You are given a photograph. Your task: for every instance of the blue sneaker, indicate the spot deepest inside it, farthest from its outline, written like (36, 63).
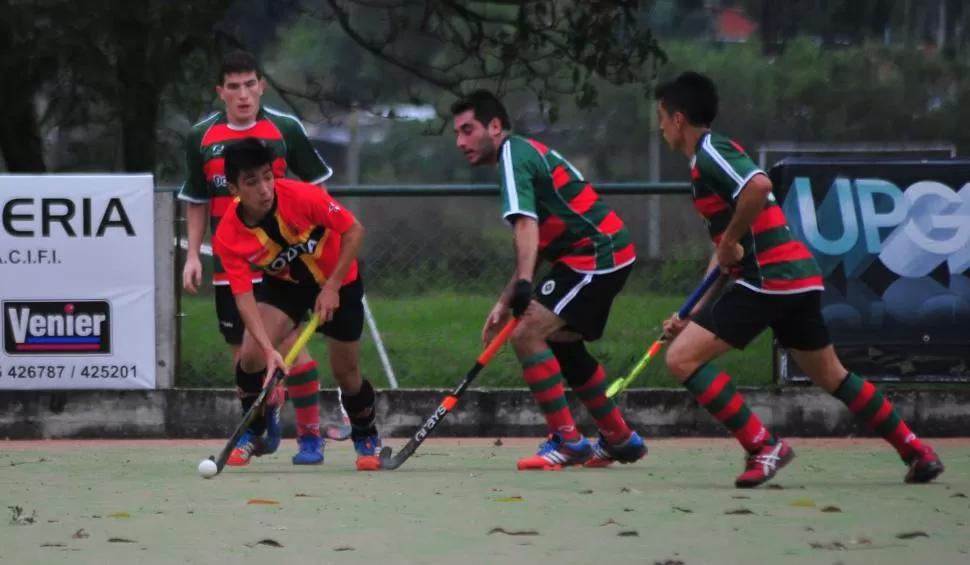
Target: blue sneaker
(605, 454)
(274, 429)
(368, 448)
(554, 454)
(311, 450)
(248, 446)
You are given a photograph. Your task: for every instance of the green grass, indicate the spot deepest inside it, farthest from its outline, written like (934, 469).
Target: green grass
(432, 341)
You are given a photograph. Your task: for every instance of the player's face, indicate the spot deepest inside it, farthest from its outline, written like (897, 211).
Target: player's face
(670, 127)
(256, 191)
(241, 93)
(475, 140)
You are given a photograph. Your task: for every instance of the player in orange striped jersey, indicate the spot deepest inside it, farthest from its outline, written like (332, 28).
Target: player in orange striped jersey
(307, 244)
(241, 88)
(778, 285)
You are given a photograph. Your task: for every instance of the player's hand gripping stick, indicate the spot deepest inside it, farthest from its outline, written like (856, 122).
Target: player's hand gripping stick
(268, 388)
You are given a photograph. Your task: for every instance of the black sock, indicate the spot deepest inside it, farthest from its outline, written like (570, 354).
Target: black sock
(360, 409)
(249, 385)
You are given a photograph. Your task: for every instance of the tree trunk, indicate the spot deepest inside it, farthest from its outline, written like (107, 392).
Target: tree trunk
(137, 102)
(20, 140)
(138, 120)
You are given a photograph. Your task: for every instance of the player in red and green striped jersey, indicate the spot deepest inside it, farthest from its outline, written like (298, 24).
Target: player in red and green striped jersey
(240, 88)
(556, 216)
(778, 285)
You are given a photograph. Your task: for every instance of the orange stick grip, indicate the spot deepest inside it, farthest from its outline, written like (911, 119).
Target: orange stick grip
(498, 342)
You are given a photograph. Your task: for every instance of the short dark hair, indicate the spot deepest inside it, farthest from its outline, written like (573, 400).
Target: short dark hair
(238, 62)
(246, 155)
(693, 95)
(485, 106)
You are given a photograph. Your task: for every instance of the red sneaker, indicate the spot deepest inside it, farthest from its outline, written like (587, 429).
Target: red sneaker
(555, 454)
(763, 464)
(247, 447)
(924, 466)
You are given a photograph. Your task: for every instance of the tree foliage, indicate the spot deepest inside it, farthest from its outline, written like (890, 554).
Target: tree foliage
(107, 62)
(555, 50)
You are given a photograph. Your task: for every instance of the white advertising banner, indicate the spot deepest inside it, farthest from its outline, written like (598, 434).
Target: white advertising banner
(77, 282)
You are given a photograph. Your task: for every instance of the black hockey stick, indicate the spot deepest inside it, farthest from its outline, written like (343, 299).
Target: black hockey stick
(389, 461)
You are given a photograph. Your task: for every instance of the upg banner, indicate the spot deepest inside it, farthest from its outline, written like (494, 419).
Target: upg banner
(77, 282)
(893, 241)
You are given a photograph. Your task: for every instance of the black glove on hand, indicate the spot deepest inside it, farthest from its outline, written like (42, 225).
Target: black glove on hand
(521, 296)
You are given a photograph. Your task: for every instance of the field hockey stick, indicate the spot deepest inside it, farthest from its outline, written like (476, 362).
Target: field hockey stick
(389, 461)
(257, 406)
(619, 385)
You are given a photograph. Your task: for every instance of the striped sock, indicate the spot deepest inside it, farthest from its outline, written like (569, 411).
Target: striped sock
(715, 392)
(544, 377)
(870, 406)
(608, 418)
(303, 383)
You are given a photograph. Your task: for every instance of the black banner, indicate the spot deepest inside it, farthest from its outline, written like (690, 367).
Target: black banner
(893, 240)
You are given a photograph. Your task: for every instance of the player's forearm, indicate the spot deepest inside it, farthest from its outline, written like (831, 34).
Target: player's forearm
(506, 295)
(249, 312)
(350, 244)
(750, 204)
(526, 247)
(195, 218)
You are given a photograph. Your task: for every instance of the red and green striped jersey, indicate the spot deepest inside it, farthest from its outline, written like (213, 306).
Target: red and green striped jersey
(205, 175)
(575, 226)
(774, 262)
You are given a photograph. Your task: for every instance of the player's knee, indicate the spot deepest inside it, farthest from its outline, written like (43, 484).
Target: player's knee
(347, 376)
(345, 366)
(252, 364)
(361, 403)
(248, 382)
(575, 361)
(527, 332)
(250, 358)
(680, 363)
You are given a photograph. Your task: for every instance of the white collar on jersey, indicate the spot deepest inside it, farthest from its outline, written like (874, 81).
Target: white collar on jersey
(240, 128)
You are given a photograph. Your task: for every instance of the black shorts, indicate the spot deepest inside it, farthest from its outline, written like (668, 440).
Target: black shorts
(741, 314)
(230, 322)
(582, 300)
(297, 302)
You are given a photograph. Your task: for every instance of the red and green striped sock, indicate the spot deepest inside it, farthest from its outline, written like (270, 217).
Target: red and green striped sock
(715, 392)
(544, 377)
(870, 406)
(602, 408)
(303, 384)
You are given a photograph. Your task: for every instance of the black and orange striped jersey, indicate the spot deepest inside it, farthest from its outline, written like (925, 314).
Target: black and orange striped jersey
(298, 241)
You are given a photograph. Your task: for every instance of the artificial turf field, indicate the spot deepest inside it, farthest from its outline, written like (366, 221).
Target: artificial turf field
(461, 502)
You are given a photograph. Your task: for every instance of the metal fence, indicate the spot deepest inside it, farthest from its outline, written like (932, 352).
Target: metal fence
(435, 259)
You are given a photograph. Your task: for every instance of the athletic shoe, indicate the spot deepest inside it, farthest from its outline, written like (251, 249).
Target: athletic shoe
(311, 450)
(555, 454)
(629, 451)
(367, 449)
(248, 446)
(763, 464)
(924, 466)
